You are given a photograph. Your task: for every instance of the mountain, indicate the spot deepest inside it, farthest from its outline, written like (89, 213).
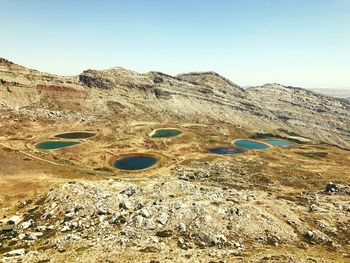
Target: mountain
(193, 97)
(75, 204)
(338, 93)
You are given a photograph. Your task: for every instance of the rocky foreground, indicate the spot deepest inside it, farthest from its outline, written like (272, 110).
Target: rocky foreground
(203, 212)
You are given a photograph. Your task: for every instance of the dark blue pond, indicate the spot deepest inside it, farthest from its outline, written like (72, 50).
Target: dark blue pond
(251, 145)
(277, 142)
(222, 150)
(135, 162)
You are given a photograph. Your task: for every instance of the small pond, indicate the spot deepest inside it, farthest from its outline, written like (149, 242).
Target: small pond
(251, 145)
(277, 142)
(223, 150)
(52, 145)
(165, 133)
(75, 135)
(131, 163)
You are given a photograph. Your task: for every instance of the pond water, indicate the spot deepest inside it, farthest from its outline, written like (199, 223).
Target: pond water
(52, 145)
(251, 145)
(277, 142)
(165, 133)
(75, 135)
(222, 150)
(134, 162)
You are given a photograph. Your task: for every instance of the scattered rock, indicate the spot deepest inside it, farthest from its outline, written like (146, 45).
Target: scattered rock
(8, 228)
(331, 188)
(17, 252)
(27, 224)
(14, 220)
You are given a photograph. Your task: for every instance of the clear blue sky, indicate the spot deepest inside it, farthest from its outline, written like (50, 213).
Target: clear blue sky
(294, 42)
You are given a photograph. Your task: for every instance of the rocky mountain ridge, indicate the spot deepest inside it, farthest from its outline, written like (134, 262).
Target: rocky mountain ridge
(193, 97)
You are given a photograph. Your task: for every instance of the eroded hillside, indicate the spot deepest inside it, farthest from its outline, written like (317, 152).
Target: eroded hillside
(196, 97)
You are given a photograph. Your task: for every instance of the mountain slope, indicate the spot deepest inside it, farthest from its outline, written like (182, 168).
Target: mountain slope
(283, 204)
(194, 97)
(338, 93)
(309, 113)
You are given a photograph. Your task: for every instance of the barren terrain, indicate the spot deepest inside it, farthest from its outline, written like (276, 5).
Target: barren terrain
(284, 204)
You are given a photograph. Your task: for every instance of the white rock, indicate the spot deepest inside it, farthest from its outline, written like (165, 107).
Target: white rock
(102, 218)
(65, 229)
(21, 236)
(149, 223)
(14, 220)
(125, 205)
(41, 228)
(26, 225)
(38, 234)
(17, 252)
(31, 236)
(182, 227)
(145, 212)
(163, 218)
(69, 215)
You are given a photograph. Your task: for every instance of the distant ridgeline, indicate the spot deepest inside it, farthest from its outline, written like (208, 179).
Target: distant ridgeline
(206, 97)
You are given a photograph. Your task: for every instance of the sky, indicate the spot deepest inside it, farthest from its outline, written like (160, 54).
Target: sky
(304, 43)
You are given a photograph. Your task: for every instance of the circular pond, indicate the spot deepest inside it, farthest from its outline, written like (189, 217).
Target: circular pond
(136, 162)
(75, 135)
(277, 142)
(53, 145)
(251, 145)
(223, 150)
(165, 133)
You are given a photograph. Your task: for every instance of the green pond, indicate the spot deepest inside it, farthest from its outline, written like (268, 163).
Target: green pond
(75, 135)
(165, 133)
(251, 145)
(52, 145)
(134, 163)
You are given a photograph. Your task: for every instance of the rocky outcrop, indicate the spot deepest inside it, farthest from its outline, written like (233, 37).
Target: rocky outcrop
(115, 77)
(91, 78)
(203, 207)
(4, 61)
(211, 79)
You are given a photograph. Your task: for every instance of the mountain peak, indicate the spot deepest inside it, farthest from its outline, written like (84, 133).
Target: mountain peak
(5, 61)
(209, 78)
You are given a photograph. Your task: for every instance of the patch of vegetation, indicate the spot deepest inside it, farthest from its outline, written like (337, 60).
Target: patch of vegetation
(314, 155)
(40, 201)
(214, 140)
(49, 233)
(165, 233)
(320, 147)
(104, 169)
(265, 136)
(289, 132)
